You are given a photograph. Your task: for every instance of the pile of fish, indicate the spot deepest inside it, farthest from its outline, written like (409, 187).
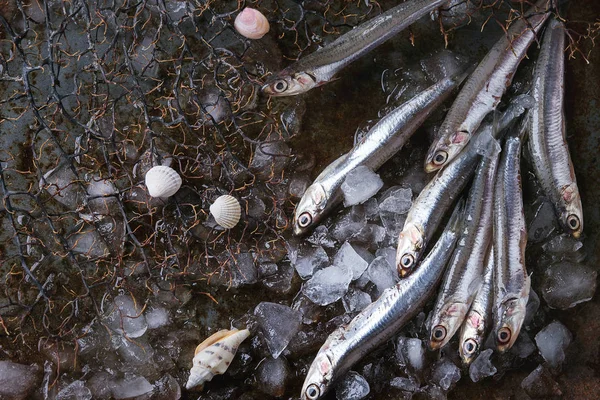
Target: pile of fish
(480, 256)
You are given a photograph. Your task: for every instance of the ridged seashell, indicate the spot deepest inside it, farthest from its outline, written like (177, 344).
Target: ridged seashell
(213, 356)
(227, 211)
(251, 23)
(162, 181)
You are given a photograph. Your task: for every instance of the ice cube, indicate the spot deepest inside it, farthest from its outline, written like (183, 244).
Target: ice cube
(309, 259)
(398, 201)
(443, 63)
(157, 317)
(348, 258)
(445, 374)
(279, 281)
(328, 285)
(355, 300)
(298, 185)
(389, 253)
(270, 158)
(543, 223)
(533, 304)
(382, 274)
(348, 225)
(482, 366)
(371, 208)
(407, 384)
(131, 386)
(17, 381)
(352, 387)
(566, 284)
(360, 185)
(75, 391)
(539, 384)
(126, 317)
(101, 385)
(243, 270)
(523, 346)
(311, 312)
(136, 354)
(371, 235)
(561, 244)
(279, 324)
(321, 237)
(552, 342)
(272, 376)
(413, 353)
(167, 388)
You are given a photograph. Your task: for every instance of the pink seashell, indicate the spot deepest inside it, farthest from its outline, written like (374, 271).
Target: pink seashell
(251, 23)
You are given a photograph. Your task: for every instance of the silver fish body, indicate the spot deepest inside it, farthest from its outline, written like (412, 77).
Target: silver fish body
(380, 321)
(382, 141)
(434, 200)
(465, 270)
(511, 282)
(547, 136)
(484, 88)
(479, 317)
(321, 66)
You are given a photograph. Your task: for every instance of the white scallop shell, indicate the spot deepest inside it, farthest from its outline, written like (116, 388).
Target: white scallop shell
(251, 23)
(227, 211)
(162, 181)
(213, 356)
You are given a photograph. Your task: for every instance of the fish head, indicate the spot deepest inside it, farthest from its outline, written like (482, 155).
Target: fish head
(318, 379)
(443, 151)
(289, 83)
(410, 246)
(511, 315)
(571, 218)
(448, 320)
(471, 336)
(310, 209)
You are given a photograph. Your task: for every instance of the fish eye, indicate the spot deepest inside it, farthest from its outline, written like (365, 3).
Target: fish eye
(470, 346)
(407, 261)
(573, 222)
(504, 335)
(304, 220)
(312, 392)
(439, 333)
(440, 158)
(280, 86)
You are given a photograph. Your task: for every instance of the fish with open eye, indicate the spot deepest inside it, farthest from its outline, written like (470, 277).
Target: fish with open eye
(382, 141)
(429, 207)
(381, 320)
(484, 88)
(547, 134)
(321, 66)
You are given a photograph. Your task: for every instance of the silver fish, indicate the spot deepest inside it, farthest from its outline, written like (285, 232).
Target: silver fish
(384, 140)
(321, 66)
(434, 200)
(511, 282)
(483, 90)
(547, 137)
(465, 272)
(478, 319)
(382, 319)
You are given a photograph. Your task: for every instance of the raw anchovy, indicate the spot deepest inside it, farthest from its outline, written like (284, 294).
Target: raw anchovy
(511, 282)
(547, 136)
(321, 66)
(483, 90)
(380, 321)
(384, 140)
(466, 266)
(479, 316)
(430, 206)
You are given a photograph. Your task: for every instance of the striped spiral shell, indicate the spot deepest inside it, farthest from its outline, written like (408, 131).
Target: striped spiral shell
(213, 356)
(251, 23)
(162, 181)
(227, 211)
